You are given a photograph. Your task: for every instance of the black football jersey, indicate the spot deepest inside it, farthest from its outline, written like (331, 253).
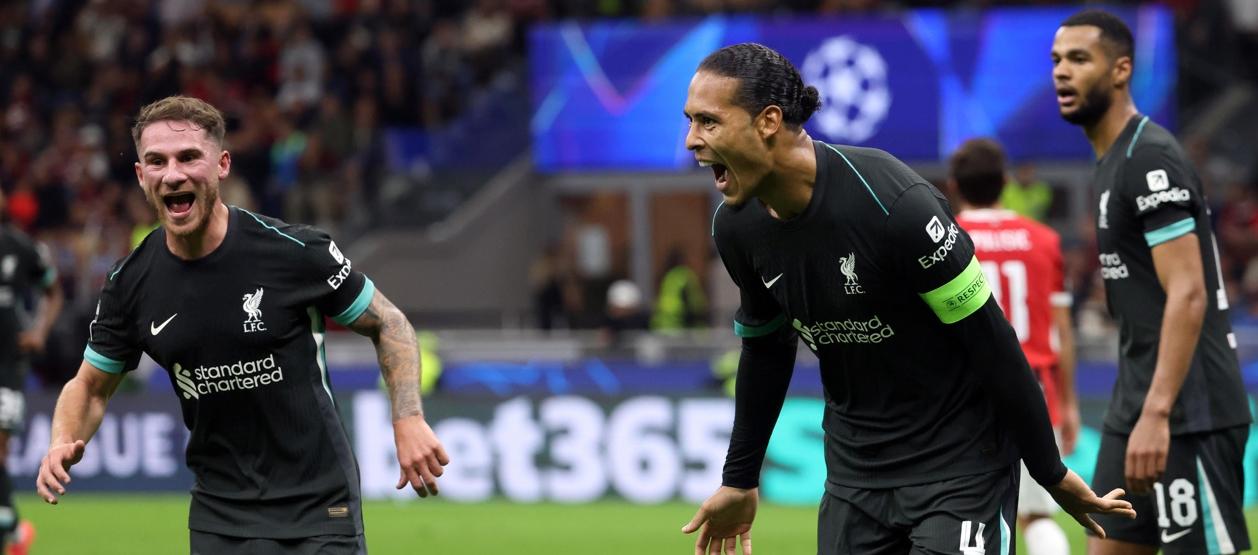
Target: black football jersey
(240, 332)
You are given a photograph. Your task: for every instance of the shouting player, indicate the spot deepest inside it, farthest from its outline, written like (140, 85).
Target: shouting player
(1177, 424)
(1023, 263)
(232, 305)
(929, 401)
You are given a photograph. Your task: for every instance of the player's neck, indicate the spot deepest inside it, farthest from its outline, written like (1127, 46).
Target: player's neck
(1106, 130)
(789, 185)
(203, 241)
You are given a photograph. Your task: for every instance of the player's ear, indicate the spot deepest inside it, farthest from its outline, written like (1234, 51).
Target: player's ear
(769, 121)
(224, 164)
(1120, 73)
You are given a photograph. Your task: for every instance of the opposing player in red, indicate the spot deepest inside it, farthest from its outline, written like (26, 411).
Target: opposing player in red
(1023, 262)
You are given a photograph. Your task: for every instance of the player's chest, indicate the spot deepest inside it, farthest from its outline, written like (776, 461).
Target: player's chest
(200, 314)
(830, 281)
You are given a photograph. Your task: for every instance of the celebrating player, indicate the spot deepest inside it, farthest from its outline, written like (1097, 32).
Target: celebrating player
(1177, 423)
(232, 305)
(1023, 264)
(929, 400)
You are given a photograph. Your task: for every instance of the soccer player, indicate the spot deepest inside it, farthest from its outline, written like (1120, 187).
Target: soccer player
(232, 303)
(929, 401)
(1177, 423)
(24, 267)
(1023, 264)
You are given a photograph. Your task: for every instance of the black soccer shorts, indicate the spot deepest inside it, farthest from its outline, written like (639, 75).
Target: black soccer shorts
(209, 543)
(969, 515)
(1196, 507)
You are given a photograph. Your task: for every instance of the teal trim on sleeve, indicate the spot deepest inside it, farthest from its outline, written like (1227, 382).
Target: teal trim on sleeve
(270, 227)
(1173, 231)
(862, 178)
(1135, 136)
(756, 331)
(50, 277)
(102, 362)
(359, 305)
(960, 297)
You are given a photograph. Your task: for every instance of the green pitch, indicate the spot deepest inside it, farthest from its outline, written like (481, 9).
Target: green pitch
(140, 525)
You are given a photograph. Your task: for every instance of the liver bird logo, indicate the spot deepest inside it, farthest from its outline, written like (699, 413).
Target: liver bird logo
(251, 303)
(847, 265)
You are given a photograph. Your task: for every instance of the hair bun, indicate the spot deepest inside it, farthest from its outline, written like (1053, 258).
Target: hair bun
(809, 101)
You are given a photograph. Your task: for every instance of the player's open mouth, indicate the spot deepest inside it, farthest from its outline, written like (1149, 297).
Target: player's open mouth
(1066, 96)
(179, 204)
(719, 173)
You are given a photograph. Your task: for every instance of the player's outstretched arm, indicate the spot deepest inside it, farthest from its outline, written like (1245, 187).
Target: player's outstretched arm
(75, 420)
(1076, 498)
(724, 521)
(419, 452)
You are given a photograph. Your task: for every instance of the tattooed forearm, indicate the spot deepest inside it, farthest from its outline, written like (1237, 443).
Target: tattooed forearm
(397, 352)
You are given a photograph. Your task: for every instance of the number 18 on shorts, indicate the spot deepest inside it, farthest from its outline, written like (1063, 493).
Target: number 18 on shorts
(1196, 507)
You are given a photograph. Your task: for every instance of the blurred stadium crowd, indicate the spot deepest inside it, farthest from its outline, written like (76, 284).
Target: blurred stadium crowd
(310, 86)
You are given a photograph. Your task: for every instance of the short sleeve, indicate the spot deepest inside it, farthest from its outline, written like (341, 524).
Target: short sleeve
(334, 286)
(933, 255)
(758, 312)
(1161, 193)
(112, 342)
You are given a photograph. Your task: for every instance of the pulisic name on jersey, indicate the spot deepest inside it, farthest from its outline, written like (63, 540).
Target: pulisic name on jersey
(237, 376)
(988, 240)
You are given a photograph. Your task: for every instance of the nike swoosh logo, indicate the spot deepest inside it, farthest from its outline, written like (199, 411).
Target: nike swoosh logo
(158, 329)
(768, 284)
(1172, 537)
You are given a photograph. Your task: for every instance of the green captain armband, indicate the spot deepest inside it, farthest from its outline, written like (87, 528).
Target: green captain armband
(960, 297)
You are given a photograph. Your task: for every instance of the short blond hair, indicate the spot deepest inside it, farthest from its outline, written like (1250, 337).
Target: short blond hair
(181, 108)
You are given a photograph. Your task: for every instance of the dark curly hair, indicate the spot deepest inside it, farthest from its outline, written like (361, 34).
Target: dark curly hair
(765, 78)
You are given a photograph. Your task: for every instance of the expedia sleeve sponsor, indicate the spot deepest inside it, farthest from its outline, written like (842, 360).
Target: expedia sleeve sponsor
(332, 283)
(927, 245)
(1158, 188)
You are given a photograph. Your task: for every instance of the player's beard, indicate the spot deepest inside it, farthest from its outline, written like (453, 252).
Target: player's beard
(1092, 106)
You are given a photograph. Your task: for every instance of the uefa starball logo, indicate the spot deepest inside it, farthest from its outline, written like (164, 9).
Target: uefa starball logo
(852, 80)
